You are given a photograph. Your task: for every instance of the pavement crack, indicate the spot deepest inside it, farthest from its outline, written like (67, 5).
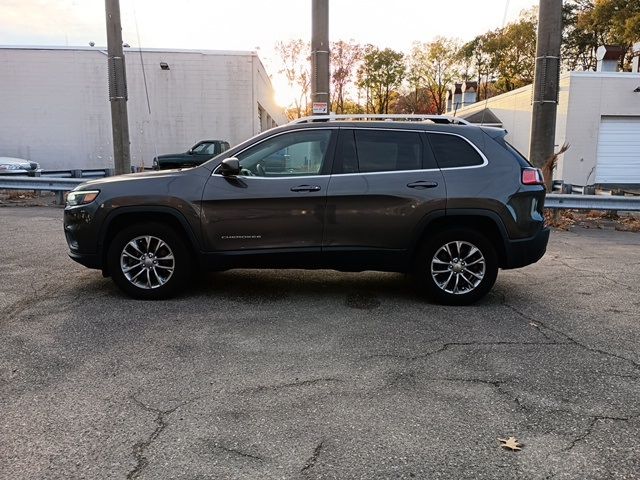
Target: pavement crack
(140, 447)
(311, 461)
(297, 383)
(448, 345)
(497, 384)
(534, 322)
(237, 452)
(594, 274)
(591, 426)
(541, 326)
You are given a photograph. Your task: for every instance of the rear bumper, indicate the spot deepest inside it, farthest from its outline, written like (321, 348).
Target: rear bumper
(526, 251)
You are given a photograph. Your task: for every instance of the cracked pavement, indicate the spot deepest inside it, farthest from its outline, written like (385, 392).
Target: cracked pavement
(294, 374)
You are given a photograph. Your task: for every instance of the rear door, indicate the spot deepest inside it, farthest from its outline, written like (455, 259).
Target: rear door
(385, 182)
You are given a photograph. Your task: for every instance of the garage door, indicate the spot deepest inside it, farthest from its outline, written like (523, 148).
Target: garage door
(618, 158)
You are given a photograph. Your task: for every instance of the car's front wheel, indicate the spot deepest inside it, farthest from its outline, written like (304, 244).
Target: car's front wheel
(149, 261)
(458, 266)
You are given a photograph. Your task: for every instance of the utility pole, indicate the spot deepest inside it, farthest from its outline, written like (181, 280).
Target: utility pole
(546, 82)
(320, 57)
(117, 89)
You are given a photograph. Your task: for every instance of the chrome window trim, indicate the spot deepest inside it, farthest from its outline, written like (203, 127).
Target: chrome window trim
(387, 172)
(273, 136)
(485, 160)
(293, 177)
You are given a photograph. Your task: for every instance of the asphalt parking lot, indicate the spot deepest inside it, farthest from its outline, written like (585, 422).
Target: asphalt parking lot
(294, 374)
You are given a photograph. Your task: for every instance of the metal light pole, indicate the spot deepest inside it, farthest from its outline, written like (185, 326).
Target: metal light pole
(117, 89)
(320, 56)
(546, 82)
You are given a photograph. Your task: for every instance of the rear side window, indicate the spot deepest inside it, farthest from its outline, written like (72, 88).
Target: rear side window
(452, 151)
(387, 150)
(381, 151)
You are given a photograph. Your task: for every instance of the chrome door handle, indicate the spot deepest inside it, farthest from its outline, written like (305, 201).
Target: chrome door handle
(422, 184)
(306, 188)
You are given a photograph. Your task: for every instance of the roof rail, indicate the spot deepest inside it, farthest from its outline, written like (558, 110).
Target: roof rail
(412, 117)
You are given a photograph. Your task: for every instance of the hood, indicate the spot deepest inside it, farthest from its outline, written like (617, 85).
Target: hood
(135, 177)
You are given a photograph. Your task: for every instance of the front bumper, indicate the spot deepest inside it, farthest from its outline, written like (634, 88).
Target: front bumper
(89, 260)
(520, 253)
(81, 234)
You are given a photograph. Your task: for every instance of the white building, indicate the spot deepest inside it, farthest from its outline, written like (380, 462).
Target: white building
(54, 103)
(598, 115)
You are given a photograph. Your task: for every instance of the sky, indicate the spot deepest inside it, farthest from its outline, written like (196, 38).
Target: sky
(250, 24)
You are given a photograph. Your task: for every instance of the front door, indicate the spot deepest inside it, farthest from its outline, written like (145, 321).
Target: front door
(278, 200)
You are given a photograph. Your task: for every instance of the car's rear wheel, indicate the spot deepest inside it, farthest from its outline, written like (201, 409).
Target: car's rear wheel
(149, 261)
(457, 266)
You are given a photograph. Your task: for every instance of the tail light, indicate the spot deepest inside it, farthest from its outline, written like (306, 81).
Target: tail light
(532, 176)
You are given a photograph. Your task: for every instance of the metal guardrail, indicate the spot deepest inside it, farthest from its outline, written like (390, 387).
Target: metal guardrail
(552, 201)
(592, 202)
(57, 185)
(77, 173)
(88, 172)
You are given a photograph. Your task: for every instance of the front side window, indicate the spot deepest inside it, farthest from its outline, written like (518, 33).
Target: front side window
(452, 151)
(292, 154)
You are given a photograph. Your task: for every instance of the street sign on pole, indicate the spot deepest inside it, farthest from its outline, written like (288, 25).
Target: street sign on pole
(320, 108)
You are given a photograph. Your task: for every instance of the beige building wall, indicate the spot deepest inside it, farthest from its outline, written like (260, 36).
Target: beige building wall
(594, 95)
(584, 98)
(55, 108)
(514, 110)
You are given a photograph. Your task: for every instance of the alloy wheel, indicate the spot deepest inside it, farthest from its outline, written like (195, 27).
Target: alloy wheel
(147, 262)
(458, 267)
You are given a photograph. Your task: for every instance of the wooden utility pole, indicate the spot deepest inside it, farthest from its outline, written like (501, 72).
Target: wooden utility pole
(320, 57)
(117, 89)
(546, 82)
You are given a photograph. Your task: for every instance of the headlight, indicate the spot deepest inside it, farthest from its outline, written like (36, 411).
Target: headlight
(81, 197)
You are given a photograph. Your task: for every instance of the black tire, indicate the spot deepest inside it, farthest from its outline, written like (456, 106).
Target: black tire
(441, 285)
(173, 261)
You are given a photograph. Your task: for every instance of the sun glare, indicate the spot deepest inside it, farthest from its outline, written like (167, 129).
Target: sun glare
(285, 96)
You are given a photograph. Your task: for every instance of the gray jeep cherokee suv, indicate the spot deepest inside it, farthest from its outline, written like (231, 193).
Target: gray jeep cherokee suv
(448, 202)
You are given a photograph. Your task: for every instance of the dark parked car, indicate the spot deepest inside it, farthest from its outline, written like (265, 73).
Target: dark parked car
(196, 155)
(448, 202)
(18, 166)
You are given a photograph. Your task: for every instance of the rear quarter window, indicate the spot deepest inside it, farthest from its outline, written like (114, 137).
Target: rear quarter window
(452, 151)
(522, 160)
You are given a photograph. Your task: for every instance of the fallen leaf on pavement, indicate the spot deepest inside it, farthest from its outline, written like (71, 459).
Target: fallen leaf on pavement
(511, 443)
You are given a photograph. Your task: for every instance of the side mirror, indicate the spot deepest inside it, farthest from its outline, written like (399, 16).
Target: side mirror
(230, 167)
